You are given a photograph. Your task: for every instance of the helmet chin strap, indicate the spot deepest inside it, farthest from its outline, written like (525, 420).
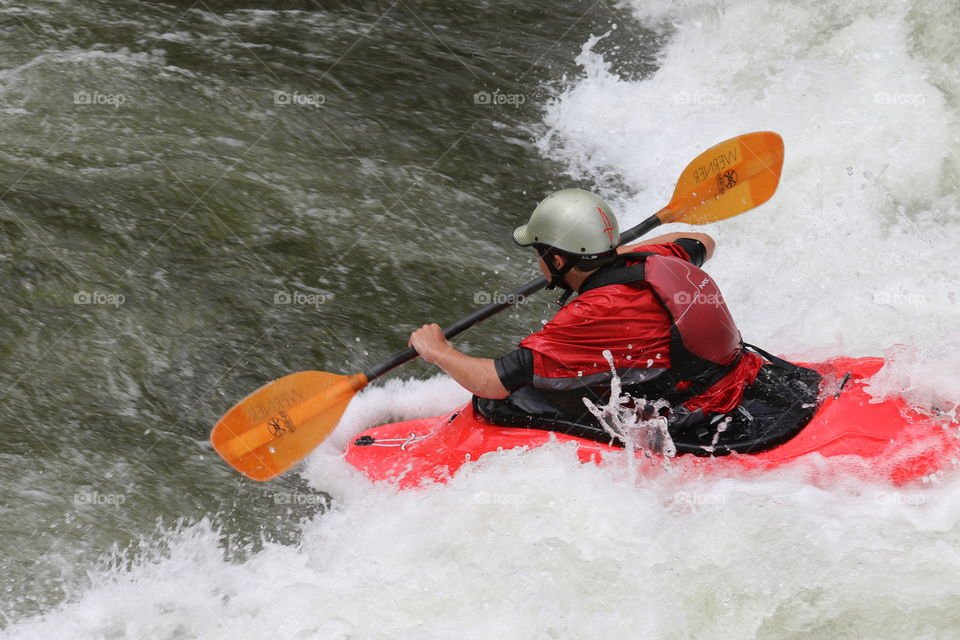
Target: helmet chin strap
(556, 275)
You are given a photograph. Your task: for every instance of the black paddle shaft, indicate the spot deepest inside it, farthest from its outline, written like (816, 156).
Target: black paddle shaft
(495, 307)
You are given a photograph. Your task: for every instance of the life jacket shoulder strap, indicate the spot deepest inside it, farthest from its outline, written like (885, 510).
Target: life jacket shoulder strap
(619, 272)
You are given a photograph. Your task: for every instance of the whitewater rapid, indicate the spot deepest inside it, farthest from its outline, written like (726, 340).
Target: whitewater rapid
(856, 253)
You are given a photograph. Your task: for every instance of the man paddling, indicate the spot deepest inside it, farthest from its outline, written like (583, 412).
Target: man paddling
(662, 319)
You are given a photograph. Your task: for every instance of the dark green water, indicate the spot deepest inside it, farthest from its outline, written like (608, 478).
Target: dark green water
(168, 170)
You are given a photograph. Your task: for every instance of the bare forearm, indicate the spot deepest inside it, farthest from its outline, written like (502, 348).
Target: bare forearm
(477, 375)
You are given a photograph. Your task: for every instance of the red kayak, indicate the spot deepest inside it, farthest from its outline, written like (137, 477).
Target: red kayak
(877, 440)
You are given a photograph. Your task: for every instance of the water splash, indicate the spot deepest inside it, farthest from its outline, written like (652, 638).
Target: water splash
(928, 378)
(639, 424)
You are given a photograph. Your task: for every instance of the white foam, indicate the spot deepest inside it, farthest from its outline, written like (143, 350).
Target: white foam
(533, 544)
(858, 250)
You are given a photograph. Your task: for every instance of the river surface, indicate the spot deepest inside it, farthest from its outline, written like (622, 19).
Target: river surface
(199, 197)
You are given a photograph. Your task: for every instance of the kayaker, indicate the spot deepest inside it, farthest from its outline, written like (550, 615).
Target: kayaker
(665, 323)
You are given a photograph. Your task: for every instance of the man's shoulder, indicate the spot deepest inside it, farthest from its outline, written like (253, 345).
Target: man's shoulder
(667, 249)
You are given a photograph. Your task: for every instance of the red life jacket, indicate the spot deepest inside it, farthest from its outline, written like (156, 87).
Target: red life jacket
(702, 346)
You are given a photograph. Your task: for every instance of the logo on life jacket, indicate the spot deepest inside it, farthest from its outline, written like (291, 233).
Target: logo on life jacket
(607, 225)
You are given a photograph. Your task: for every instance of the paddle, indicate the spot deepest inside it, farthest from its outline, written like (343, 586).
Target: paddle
(277, 425)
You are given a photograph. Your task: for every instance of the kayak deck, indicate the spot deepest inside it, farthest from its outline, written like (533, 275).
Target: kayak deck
(879, 440)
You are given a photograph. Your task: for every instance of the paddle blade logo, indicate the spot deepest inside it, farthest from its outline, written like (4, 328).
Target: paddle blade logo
(281, 423)
(726, 180)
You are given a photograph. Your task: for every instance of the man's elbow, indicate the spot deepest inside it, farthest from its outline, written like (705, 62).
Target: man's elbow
(491, 388)
(708, 243)
(494, 392)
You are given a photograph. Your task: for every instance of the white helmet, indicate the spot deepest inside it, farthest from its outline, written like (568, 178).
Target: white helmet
(574, 221)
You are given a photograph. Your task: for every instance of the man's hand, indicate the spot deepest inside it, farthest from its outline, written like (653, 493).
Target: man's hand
(477, 375)
(430, 342)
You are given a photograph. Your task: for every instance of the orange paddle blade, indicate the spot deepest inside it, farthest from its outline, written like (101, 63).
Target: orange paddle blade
(277, 425)
(727, 179)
